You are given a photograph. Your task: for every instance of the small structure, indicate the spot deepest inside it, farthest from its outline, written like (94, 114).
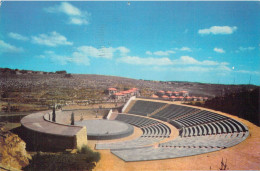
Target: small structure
(169, 93)
(111, 91)
(188, 98)
(160, 93)
(184, 93)
(176, 93)
(154, 96)
(165, 97)
(173, 98)
(200, 98)
(119, 96)
(194, 98)
(205, 98)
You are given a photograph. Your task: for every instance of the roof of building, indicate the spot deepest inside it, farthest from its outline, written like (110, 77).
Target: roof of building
(184, 91)
(164, 96)
(118, 94)
(111, 88)
(154, 96)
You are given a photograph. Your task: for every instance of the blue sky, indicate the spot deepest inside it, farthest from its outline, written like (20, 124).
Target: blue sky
(210, 42)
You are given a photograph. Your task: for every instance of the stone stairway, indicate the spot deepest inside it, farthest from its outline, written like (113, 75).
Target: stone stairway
(158, 110)
(130, 106)
(188, 114)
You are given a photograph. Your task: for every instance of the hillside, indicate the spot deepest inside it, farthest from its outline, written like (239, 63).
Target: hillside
(41, 88)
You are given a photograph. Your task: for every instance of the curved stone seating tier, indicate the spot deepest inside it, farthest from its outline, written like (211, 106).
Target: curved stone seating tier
(219, 141)
(173, 111)
(153, 131)
(46, 135)
(135, 120)
(157, 153)
(145, 107)
(200, 118)
(136, 143)
(150, 127)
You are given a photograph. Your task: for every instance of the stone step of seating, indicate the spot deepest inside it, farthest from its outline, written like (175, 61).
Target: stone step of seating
(222, 127)
(217, 128)
(229, 127)
(139, 142)
(145, 107)
(209, 131)
(243, 127)
(212, 128)
(156, 153)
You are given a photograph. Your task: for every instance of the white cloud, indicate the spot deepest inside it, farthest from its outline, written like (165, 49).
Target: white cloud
(76, 58)
(52, 39)
(160, 53)
(248, 72)
(76, 16)
(187, 49)
(243, 49)
(123, 50)
(17, 36)
(82, 54)
(218, 30)
(148, 53)
(187, 60)
(135, 60)
(183, 60)
(91, 51)
(219, 50)
(197, 68)
(6, 47)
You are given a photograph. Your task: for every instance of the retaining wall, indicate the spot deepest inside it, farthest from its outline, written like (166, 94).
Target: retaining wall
(45, 135)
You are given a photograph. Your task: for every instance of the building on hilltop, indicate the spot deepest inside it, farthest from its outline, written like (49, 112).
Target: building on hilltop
(111, 91)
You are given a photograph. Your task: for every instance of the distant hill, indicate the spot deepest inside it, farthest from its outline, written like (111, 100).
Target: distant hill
(38, 87)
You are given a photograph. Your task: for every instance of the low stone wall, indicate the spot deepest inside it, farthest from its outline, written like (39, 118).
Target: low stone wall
(45, 135)
(112, 136)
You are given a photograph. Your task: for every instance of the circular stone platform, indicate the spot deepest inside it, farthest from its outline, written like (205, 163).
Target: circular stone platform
(106, 129)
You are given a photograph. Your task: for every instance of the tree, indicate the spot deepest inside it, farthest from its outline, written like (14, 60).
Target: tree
(53, 114)
(72, 119)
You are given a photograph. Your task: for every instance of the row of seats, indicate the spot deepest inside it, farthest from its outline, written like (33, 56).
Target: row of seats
(157, 153)
(135, 120)
(150, 127)
(152, 132)
(145, 107)
(218, 127)
(130, 144)
(200, 118)
(157, 130)
(219, 141)
(172, 111)
(181, 147)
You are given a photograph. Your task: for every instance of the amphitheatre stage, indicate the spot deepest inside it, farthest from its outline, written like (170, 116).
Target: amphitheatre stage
(100, 129)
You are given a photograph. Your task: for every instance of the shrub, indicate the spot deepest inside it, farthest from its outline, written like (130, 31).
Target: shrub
(84, 160)
(91, 155)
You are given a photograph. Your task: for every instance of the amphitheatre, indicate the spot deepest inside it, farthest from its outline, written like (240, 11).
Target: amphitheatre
(148, 134)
